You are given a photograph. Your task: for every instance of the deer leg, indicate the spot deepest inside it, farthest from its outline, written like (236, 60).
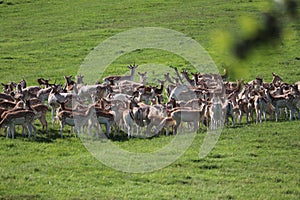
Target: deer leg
(12, 130)
(34, 130)
(52, 116)
(276, 114)
(61, 129)
(240, 117)
(29, 129)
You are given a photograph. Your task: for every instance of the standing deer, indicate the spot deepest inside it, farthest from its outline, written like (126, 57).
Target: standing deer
(114, 80)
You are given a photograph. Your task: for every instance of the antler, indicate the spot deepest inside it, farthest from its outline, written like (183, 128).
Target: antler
(132, 66)
(177, 73)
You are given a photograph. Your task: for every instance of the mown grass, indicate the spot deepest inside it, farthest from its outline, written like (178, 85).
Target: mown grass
(247, 162)
(52, 38)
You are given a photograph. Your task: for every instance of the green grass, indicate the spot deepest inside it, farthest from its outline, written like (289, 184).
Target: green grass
(247, 163)
(52, 38)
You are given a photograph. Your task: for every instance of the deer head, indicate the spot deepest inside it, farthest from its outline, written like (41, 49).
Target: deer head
(134, 66)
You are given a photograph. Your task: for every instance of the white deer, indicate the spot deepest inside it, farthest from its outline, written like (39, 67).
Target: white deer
(114, 80)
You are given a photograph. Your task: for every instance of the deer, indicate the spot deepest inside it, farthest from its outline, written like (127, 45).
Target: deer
(105, 117)
(114, 80)
(228, 109)
(167, 123)
(188, 79)
(27, 92)
(129, 117)
(159, 91)
(157, 114)
(97, 92)
(8, 88)
(143, 95)
(187, 115)
(75, 119)
(42, 81)
(117, 109)
(6, 97)
(285, 101)
(43, 94)
(216, 114)
(79, 79)
(143, 81)
(260, 106)
(172, 84)
(128, 87)
(20, 117)
(277, 80)
(70, 84)
(177, 73)
(39, 109)
(245, 107)
(7, 104)
(54, 99)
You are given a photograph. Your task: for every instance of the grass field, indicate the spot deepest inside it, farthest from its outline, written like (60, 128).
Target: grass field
(52, 38)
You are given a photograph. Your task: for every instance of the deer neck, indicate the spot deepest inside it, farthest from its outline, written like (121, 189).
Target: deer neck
(132, 73)
(190, 81)
(161, 86)
(167, 77)
(196, 79)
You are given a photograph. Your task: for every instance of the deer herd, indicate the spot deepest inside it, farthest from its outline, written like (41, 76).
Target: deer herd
(180, 102)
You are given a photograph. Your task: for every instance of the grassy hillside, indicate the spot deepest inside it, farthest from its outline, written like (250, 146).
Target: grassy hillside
(52, 38)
